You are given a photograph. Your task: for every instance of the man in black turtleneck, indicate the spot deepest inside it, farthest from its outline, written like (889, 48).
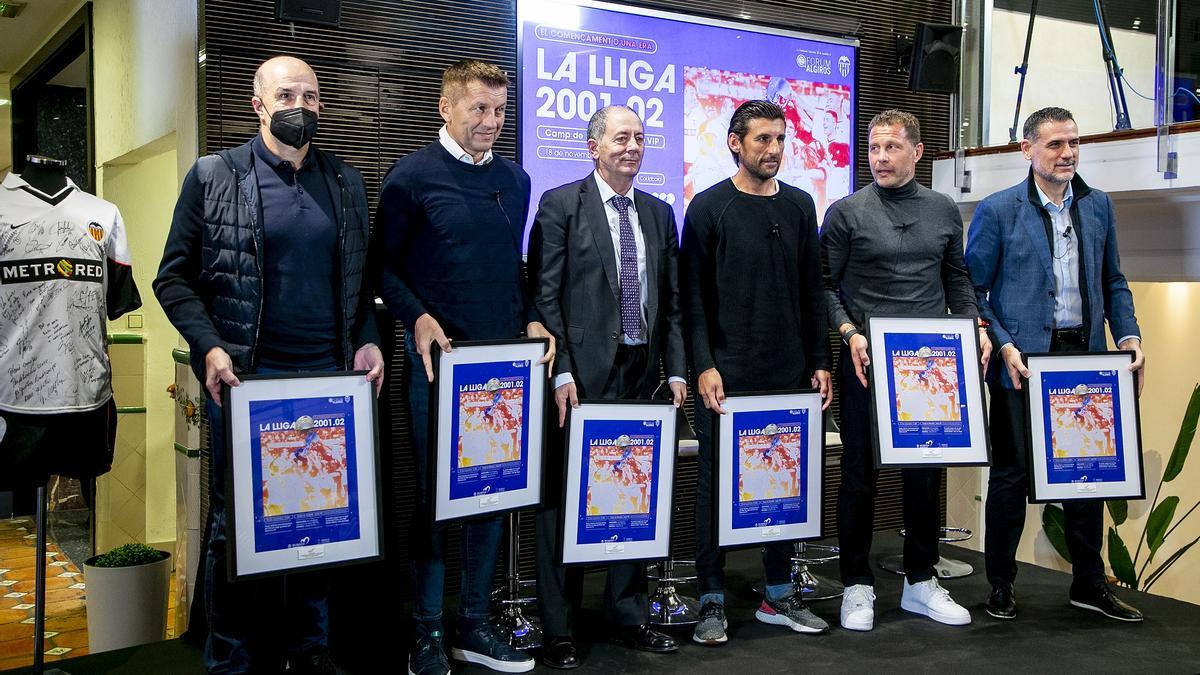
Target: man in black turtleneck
(893, 247)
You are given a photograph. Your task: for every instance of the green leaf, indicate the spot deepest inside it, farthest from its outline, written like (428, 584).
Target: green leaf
(1157, 574)
(1119, 510)
(1119, 560)
(1183, 442)
(1054, 524)
(1159, 521)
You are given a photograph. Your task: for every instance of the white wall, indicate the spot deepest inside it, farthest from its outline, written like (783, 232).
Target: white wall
(5, 129)
(144, 69)
(1066, 69)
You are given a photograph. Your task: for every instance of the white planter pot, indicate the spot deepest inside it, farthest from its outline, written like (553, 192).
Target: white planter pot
(126, 606)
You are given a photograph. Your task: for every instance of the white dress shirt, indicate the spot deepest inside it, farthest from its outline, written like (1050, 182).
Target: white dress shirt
(639, 240)
(457, 151)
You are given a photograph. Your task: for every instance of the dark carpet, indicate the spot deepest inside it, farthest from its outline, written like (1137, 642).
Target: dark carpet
(1048, 636)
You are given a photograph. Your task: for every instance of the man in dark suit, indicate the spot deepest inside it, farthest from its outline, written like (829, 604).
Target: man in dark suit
(1043, 258)
(602, 257)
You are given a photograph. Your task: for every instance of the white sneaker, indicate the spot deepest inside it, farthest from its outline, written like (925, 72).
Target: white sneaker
(930, 599)
(858, 607)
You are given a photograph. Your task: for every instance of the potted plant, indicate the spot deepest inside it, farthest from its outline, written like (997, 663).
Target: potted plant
(127, 597)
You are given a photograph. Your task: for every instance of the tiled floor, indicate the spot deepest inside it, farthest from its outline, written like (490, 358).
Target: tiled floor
(66, 618)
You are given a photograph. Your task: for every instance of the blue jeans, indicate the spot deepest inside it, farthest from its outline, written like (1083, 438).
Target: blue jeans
(242, 615)
(480, 539)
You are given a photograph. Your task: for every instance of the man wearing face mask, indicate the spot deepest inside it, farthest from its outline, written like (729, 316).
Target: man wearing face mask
(264, 271)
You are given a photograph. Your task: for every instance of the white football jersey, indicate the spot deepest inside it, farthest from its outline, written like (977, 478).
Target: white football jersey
(57, 263)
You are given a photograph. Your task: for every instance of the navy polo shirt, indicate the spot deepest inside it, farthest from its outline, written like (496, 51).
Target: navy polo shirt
(299, 318)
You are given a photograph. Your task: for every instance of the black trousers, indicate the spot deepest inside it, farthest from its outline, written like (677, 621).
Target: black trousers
(1008, 490)
(856, 498)
(560, 589)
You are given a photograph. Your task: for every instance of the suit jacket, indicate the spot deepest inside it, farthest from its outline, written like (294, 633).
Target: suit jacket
(1009, 257)
(573, 268)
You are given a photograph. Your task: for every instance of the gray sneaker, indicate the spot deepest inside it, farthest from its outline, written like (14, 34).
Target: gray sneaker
(710, 630)
(792, 612)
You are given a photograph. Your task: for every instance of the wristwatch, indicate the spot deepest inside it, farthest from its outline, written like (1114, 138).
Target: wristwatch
(849, 334)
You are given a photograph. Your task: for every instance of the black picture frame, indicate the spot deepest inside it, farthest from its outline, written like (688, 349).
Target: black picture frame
(569, 550)
(969, 380)
(262, 544)
(450, 503)
(732, 535)
(1091, 371)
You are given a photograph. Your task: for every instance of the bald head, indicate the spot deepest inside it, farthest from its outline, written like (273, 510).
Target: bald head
(281, 69)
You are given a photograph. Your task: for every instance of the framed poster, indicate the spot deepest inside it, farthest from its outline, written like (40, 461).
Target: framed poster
(486, 407)
(927, 392)
(619, 482)
(770, 456)
(302, 478)
(1085, 437)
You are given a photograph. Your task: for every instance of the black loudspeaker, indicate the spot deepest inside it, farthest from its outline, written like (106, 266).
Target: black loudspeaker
(314, 12)
(935, 56)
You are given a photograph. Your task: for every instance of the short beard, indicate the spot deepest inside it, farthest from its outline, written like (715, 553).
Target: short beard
(1052, 178)
(759, 173)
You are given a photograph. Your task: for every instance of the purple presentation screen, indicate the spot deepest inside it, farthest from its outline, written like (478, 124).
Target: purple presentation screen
(684, 76)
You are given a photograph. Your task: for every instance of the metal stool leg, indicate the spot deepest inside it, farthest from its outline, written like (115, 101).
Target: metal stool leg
(667, 606)
(811, 586)
(944, 568)
(520, 631)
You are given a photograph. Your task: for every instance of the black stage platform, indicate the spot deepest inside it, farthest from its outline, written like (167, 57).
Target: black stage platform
(1048, 637)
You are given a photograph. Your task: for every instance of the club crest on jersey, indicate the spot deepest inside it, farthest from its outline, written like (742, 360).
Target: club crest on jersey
(96, 230)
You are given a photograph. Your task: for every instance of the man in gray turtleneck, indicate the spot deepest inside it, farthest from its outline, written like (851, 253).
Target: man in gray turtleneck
(894, 247)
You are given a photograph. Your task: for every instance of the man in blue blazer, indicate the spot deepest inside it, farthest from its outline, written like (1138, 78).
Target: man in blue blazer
(1043, 258)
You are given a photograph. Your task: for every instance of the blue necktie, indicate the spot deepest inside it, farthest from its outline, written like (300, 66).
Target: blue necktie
(631, 288)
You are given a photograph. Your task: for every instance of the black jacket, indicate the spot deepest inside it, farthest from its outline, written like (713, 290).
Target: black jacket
(210, 280)
(574, 266)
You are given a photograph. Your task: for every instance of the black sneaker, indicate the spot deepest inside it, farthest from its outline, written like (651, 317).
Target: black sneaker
(483, 645)
(1002, 603)
(1102, 599)
(428, 656)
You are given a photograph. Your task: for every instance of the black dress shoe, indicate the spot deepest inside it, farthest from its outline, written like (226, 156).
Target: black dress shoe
(645, 638)
(560, 653)
(1102, 599)
(1002, 603)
